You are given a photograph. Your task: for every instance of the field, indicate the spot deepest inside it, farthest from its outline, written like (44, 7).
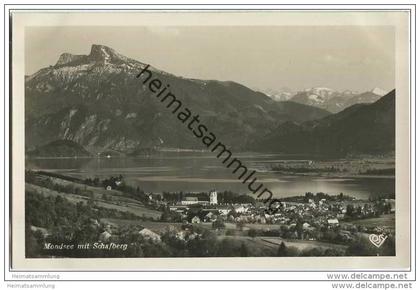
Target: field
(268, 246)
(385, 221)
(110, 199)
(254, 245)
(262, 226)
(157, 227)
(300, 244)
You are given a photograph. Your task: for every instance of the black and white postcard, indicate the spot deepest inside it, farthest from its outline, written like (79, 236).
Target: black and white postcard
(217, 140)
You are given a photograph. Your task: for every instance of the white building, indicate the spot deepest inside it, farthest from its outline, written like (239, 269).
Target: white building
(195, 220)
(333, 222)
(189, 200)
(104, 236)
(240, 208)
(149, 235)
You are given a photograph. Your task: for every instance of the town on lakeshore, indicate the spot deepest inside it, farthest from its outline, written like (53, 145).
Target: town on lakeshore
(65, 209)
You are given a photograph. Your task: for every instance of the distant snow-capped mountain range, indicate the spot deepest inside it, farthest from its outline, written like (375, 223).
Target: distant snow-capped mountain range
(326, 98)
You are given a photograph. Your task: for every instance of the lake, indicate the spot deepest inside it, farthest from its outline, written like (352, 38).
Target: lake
(197, 172)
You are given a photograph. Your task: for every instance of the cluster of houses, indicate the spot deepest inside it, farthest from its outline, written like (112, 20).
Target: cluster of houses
(318, 213)
(111, 233)
(315, 214)
(196, 210)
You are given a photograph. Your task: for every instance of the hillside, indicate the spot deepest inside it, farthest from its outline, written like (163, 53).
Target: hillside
(96, 101)
(60, 148)
(362, 128)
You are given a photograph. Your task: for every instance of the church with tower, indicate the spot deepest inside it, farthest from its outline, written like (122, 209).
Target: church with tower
(213, 197)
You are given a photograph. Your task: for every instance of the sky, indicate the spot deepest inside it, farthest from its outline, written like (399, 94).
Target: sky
(357, 58)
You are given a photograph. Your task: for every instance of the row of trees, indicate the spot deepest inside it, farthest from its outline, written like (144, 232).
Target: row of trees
(368, 210)
(306, 169)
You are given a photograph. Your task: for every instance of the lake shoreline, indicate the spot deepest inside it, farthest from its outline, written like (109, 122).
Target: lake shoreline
(201, 173)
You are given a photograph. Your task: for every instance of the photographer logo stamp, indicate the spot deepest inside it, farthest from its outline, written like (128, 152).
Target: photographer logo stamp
(377, 240)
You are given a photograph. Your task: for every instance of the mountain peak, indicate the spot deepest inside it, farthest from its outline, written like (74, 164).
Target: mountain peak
(379, 91)
(66, 58)
(98, 53)
(103, 53)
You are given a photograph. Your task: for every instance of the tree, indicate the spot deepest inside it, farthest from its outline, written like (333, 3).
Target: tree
(313, 252)
(33, 242)
(350, 210)
(227, 248)
(299, 228)
(283, 231)
(252, 233)
(240, 225)
(243, 250)
(91, 199)
(309, 195)
(282, 250)
(218, 224)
